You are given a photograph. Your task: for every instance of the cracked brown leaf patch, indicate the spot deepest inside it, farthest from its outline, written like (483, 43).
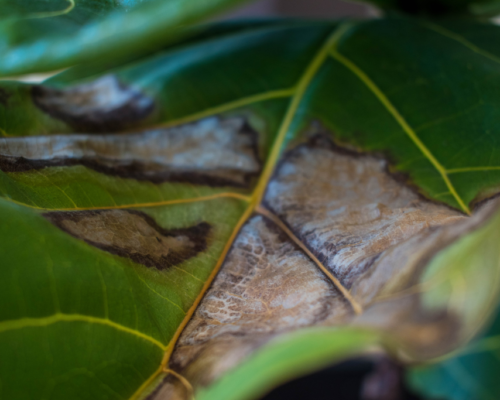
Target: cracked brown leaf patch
(267, 286)
(135, 235)
(213, 151)
(374, 233)
(347, 208)
(271, 235)
(103, 105)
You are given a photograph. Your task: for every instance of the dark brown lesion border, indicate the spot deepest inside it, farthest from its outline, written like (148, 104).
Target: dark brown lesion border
(199, 235)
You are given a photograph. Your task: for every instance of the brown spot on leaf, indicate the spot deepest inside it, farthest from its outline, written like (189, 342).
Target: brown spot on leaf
(104, 105)
(170, 388)
(347, 208)
(376, 234)
(213, 151)
(267, 286)
(134, 235)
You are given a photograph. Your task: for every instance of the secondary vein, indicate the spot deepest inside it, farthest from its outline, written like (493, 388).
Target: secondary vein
(21, 323)
(50, 14)
(458, 38)
(244, 101)
(358, 309)
(401, 121)
(472, 169)
(233, 195)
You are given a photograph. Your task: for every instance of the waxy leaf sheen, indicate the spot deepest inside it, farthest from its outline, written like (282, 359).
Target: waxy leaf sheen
(46, 35)
(247, 206)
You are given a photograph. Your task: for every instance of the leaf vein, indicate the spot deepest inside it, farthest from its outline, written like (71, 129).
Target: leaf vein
(10, 325)
(401, 121)
(458, 38)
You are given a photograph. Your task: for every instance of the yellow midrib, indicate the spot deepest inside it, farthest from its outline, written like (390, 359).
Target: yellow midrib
(302, 87)
(260, 188)
(297, 95)
(21, 323)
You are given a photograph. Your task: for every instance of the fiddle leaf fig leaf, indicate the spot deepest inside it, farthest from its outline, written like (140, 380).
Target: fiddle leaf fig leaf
(236, 204)
(48, 35)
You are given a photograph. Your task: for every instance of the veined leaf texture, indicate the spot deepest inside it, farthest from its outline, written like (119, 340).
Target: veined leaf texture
(247, 205)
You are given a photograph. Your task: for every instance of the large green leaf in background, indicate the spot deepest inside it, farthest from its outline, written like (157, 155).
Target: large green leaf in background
(470, 374)
(37, 36)
(338, 177)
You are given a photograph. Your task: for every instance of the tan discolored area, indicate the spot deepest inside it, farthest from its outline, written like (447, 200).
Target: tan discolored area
(393, 290)
(368, 228)
(267, 286)
(346, 207)
(134, 235)
(170, 388)
(213, 151)
(103, 105)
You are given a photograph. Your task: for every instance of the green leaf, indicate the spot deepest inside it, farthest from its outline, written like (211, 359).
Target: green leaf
(47, 35)
(471, 373)
(293, 355)
(174, 219)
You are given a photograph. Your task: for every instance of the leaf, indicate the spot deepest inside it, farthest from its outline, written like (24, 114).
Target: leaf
(47, 35)
(265, 185)
(471, 373)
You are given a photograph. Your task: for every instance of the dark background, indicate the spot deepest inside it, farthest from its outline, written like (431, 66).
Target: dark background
(303, 8)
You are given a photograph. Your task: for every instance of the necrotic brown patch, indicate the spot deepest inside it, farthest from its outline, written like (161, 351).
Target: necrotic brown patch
(134, 235)
(266, 286)
(213, 151)
(346, 207)
(104, 105)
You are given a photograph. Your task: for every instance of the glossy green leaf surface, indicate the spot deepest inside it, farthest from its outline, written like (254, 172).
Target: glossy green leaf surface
(166, 222)
(48, 35)
(471, 373)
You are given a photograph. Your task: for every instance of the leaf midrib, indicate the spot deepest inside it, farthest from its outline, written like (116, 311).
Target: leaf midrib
(256, 198)
(297, 93)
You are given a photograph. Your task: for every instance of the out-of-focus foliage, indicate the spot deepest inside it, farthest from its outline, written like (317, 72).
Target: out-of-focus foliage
(256, 201)
(472, 373)
(44, 35)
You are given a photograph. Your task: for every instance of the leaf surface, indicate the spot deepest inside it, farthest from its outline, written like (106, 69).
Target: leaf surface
(186, 213)
(47, 35)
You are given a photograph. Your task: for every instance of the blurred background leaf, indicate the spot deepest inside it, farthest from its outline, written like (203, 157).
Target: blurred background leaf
(38, 36)
(472, 373)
